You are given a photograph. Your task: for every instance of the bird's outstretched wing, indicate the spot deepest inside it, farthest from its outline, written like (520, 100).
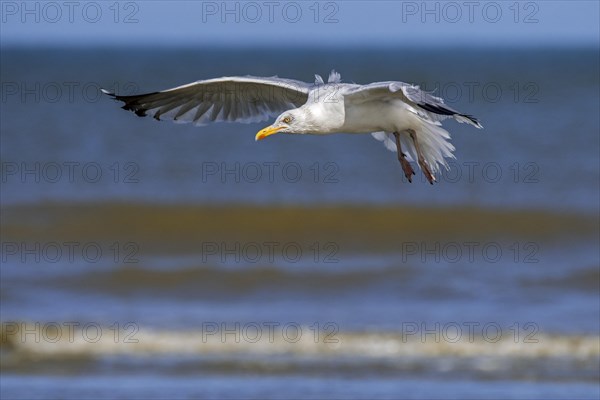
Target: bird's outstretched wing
(425, 104)
(240, 99)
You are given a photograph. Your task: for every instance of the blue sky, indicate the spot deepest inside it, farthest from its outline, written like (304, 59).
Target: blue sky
(281, 23)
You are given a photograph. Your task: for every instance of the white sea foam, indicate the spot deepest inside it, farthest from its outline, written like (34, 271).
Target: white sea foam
(267, 339)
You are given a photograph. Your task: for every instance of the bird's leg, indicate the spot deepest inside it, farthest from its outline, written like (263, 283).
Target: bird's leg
(422, 162)
(406, 167)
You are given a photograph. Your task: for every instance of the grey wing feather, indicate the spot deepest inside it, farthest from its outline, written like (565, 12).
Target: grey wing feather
(424, 103)
(240, 99)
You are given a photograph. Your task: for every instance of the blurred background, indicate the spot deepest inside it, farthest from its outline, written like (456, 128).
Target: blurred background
(145, 259)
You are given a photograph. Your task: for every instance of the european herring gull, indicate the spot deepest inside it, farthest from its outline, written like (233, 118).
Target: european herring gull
(405, 118)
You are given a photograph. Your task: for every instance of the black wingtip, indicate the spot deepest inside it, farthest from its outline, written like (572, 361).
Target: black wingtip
(440, 110)
(106, 92)
(139, 112)
(437, 109)
(474, 120)
(133, 103)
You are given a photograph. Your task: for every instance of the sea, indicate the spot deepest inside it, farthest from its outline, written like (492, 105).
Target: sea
(152, 260)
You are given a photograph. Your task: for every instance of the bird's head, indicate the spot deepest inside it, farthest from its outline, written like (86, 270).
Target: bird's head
(292, 121)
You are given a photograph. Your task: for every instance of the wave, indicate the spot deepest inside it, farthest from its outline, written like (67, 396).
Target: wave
(206, 282)
(358, 227)
(274, 348)
(583, 280)
(217, 282)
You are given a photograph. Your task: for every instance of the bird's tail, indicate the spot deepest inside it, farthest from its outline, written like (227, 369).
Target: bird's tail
(434, 142)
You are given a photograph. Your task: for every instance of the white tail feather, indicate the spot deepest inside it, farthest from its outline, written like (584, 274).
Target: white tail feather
(435, 145)
(433, 141)
(464, 120)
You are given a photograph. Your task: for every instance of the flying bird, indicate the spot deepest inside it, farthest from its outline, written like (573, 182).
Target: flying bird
(405, 118)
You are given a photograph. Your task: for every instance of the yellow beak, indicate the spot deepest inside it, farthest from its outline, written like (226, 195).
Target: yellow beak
(268, 131)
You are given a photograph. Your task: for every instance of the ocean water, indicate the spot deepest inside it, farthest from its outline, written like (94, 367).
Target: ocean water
(145, 259)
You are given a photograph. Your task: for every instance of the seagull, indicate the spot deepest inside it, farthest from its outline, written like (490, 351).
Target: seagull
(402, 116)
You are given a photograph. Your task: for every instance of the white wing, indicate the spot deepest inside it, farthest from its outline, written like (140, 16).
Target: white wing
(240, 99)
(433, 139)
(423, 103)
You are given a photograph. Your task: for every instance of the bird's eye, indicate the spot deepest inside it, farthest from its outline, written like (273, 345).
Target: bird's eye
(287, 120)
